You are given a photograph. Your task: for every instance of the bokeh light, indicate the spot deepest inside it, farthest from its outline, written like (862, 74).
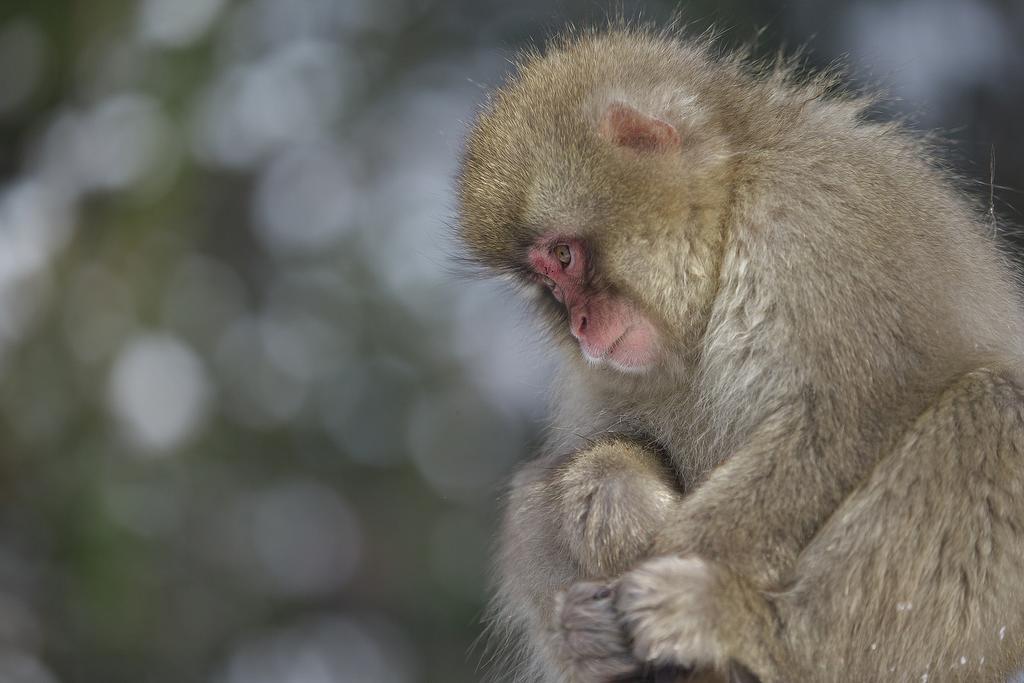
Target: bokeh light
(256, 423)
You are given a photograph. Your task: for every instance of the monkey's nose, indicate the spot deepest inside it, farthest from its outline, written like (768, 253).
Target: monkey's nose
(579, 323)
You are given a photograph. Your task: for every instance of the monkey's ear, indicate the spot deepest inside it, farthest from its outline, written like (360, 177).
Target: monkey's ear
(624, 126)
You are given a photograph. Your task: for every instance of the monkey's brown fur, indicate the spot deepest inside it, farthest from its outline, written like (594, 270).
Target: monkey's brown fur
(839, 394)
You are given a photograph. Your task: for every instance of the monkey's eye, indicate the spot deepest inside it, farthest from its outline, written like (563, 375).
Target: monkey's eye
(563, 254)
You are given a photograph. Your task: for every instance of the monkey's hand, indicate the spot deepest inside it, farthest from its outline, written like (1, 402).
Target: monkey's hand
(688, 612)
(585, 515)
(596, 646)
(594, 641)
(612, 499)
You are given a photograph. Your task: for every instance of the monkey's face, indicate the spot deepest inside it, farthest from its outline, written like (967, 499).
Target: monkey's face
(606, 204)
(611, 329)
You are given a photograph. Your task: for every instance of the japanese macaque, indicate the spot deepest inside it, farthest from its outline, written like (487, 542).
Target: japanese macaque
(787, 440)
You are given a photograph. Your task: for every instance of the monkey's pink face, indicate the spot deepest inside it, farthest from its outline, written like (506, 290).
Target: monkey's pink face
(609, 328)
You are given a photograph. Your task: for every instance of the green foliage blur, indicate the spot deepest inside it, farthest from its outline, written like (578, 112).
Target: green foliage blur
(253, 421)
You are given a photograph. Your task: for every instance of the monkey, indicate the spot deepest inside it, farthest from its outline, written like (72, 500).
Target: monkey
(786, 439)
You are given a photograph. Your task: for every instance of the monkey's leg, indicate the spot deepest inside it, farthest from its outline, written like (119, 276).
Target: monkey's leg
(589, 515)
(920, 574)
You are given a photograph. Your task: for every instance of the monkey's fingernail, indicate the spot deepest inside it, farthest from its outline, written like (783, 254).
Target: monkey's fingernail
(602, 593)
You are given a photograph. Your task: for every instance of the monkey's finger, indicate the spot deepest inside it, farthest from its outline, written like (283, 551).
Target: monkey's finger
(587, 605)
(608, 670)
(673, 674)
(593, 634)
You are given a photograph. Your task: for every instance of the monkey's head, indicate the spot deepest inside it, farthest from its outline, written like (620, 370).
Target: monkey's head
(602, 185)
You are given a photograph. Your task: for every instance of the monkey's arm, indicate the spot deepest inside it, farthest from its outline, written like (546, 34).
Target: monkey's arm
(760, 507)
(746, 519)
(587, 515)
(933, 527)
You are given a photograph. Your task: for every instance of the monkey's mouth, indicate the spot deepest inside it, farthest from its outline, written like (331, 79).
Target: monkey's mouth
(600, 355)
(633, 351)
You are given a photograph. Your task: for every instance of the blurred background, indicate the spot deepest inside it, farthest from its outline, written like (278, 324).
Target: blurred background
(253, 429)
